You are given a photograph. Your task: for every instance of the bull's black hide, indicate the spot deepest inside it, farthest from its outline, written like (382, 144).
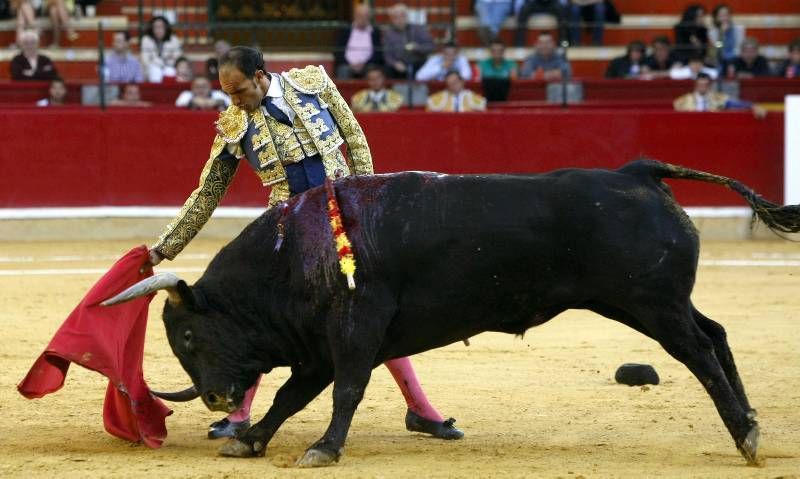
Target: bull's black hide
(441, 258)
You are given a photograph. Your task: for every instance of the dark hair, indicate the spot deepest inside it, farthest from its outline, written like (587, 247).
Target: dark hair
(794, 45)
(58, 80)
(125, 33)
(703, 76)
(696, 56)
(182, 59)
(449, 45)
(167, 28)
(662, 39)
(497, 41)
(715, 13)
(636, 45)
(371, 67)
(691, 13)
(453, 72)
(247, 60)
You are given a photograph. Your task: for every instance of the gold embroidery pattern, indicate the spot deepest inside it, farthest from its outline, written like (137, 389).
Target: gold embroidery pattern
(391, 101)
(309, 80)
(279, 193)
(197, 209)
(232, 124)
(357, 147)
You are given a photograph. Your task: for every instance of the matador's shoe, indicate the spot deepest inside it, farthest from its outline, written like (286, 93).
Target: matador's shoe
(226, 428)
(441, 430)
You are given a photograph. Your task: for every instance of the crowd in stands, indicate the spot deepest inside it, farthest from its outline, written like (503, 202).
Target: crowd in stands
(704, 48)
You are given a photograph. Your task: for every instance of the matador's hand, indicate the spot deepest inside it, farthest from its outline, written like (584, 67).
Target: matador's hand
(154, 257)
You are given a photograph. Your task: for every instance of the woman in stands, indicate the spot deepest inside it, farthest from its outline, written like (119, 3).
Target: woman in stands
(160, 49)
(725, 35)
(691, 34)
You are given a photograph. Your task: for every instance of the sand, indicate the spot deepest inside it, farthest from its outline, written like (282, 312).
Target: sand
(545, 405)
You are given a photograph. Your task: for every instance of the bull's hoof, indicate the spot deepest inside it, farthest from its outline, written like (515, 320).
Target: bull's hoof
(237, 448)
(317, 458)
(749, 447)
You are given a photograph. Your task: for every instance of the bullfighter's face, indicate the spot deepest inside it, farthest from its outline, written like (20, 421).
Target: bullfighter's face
(215, 352)
(246, 93)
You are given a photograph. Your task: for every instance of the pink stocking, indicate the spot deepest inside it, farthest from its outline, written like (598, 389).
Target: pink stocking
(243, 413)
(404, 376)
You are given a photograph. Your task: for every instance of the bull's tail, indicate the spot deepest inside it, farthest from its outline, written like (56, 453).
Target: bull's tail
(784, 219)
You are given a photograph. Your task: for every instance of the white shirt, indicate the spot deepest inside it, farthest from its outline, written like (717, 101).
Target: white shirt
(185, 98)
(275, 92)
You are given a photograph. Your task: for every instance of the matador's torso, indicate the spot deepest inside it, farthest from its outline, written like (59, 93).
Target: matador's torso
(318, 122)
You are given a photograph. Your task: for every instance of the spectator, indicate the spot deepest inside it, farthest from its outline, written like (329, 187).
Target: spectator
(491, 15)
(202, 97)
(405, 46)
(750, 64)
(377, 97)
(437, 66)
(593, 11)
(455, 98)
(183, 70)
(790, 68)
(691, 34)
(212, 64)
(724, 35)
(121, 65)
(631, 65)
(59, 19)
(704, 98)
(556, 8)
(29, 64)
(357, 45)
(56, 94)
(546, 63)
(661, 60)
(692, 69)
(26, 17)
(496, 72)
(130, 96)
(160, 48)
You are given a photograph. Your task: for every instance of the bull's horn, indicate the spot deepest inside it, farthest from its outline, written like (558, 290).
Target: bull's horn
(168, 281)
(180, 396)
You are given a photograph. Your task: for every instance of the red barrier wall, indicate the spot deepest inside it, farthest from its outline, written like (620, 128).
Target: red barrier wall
(140, 157)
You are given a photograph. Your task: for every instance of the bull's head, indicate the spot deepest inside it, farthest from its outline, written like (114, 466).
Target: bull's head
(221, 370)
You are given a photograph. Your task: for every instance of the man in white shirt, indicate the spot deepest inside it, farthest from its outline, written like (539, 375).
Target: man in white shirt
(437, 66)
(202, 97)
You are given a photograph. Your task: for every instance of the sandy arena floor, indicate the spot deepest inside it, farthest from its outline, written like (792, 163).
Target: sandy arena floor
(543, 406)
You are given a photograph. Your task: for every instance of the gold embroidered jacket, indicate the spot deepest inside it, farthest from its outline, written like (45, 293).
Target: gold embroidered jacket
(322, 122)
(445, 101)
(391, 101)
(716, 101)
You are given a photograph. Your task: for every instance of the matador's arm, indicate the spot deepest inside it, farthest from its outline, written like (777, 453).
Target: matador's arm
(214, 181)
(357, 147)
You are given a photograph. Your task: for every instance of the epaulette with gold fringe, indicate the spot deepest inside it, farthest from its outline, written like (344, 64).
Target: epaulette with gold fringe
(232, 124)
(310, 80)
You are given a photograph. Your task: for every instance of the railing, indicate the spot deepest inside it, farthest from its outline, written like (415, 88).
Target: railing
(303, 25)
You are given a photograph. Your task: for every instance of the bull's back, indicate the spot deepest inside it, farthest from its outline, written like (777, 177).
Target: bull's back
(506, 245)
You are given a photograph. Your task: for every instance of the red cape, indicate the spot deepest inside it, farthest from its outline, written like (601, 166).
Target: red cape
(109, 340)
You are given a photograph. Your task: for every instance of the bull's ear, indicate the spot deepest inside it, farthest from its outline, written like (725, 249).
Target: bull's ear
(189, 297)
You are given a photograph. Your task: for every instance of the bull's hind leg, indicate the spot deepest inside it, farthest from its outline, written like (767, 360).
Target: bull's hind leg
(717, 334)
(676, 330)
(292, 397)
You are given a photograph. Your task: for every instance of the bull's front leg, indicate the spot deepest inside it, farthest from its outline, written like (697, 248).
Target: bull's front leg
(348, 390)
(292, 397)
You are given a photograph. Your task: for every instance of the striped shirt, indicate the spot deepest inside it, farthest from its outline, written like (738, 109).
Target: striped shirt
(123, 69)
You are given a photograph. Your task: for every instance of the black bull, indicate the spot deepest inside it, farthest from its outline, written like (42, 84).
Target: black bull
(441, 258)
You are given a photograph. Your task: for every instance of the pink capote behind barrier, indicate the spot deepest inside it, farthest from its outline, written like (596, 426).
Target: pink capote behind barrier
(109, 340)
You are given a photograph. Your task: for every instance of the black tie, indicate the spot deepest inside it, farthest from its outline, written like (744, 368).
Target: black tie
(275, 112)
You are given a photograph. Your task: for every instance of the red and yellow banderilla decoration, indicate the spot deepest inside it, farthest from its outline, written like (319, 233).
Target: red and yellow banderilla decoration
(347, 263)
